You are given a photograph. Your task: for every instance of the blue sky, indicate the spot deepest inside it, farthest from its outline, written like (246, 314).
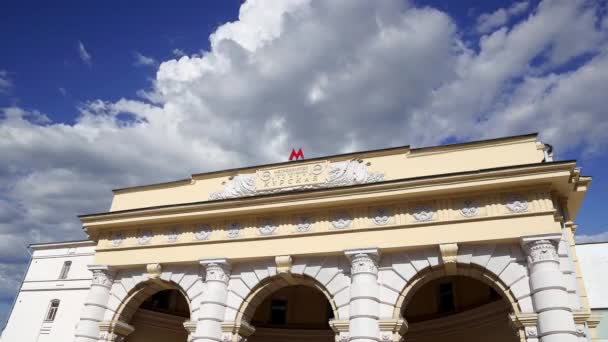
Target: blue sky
(101, 95)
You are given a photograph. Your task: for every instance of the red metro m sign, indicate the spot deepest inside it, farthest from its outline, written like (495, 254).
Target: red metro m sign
(296, 155)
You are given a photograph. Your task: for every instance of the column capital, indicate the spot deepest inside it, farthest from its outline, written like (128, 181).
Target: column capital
(541, 248)
(363, 260)
(102, 275)
(115, 331)
(217, 269)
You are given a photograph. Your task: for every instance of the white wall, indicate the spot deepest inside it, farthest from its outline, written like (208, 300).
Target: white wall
(593, 259)
(41, 285)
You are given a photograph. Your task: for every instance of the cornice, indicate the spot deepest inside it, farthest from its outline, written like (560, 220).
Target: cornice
(496, 178)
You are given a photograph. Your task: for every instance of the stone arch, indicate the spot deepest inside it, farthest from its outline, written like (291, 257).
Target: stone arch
(131, 287)
(272, 284)
(503, 267)
(251, 283)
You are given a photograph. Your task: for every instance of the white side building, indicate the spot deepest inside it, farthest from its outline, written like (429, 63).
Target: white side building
(593, 260)
(51, 297)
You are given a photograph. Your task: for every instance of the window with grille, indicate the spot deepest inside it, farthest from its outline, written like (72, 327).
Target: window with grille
(65, 269)
(50, 315)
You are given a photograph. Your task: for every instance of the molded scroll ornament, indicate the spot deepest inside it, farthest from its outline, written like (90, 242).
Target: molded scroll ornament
(470, 208)
(381, 216)
(423, 213)
(531, 332)
(517, 203)
(341, 220)
(344, 173)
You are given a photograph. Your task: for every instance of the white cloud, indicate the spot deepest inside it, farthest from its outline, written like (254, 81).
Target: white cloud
(5, 82)
(599, 237)
(141, 60)
(85, 56)
(489, 21)
(325, 76)
(62, 91)
(178, 52)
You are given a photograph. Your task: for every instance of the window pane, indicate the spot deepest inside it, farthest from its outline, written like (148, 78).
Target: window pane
(50, 316)
(278, 312)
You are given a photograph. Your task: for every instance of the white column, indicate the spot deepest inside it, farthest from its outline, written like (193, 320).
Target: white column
(549, 294)
(213, 305)
(364, 296)
(87, 329)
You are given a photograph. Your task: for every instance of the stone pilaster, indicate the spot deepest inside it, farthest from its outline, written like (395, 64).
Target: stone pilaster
(364, 296)
(549, 294)
(213, 304)
(87, 329)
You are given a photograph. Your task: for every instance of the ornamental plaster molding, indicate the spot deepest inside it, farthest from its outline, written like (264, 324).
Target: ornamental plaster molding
(517, 203)
(117, 239)
(144, 237)
(203, 232)
(172, 235)
(363, 261)
(381, 216)
(341, 220)
(423, 213)
(154, 271)
(344, 173)
(303, 224)
(449, 256)
(470, 208)
(284, 263)
(267, 227)
(541, 249)
(234, 230)
(217, 270)
(102, 275)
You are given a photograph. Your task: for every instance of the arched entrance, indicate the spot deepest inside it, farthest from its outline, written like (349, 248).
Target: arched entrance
(457, 308)
(155, 311)
(294, 310)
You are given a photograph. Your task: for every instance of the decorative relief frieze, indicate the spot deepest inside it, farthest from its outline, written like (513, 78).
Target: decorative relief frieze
(470, 208)
(144, 237)
(267, 227)
(423, 213)
(202, 232)
(117, 239)
(374, 216)
(381, 216)
(341, 220)
(318, 175)
(172, 235)
(303, 224)
(233, 230)
(516, 203)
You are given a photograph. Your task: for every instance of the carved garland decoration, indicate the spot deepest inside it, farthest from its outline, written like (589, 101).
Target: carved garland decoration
(340, 174)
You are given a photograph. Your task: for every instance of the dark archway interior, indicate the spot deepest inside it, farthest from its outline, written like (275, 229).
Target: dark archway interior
(458, 308)
(160, 318)
(293, 313)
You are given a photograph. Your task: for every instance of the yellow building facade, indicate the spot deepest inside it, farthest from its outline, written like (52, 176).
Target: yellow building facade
(469, 241)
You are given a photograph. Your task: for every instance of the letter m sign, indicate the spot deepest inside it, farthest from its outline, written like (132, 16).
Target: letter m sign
(296, 155)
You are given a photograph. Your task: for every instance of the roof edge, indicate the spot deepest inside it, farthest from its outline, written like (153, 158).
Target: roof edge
(177, 205)
(78, 243)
